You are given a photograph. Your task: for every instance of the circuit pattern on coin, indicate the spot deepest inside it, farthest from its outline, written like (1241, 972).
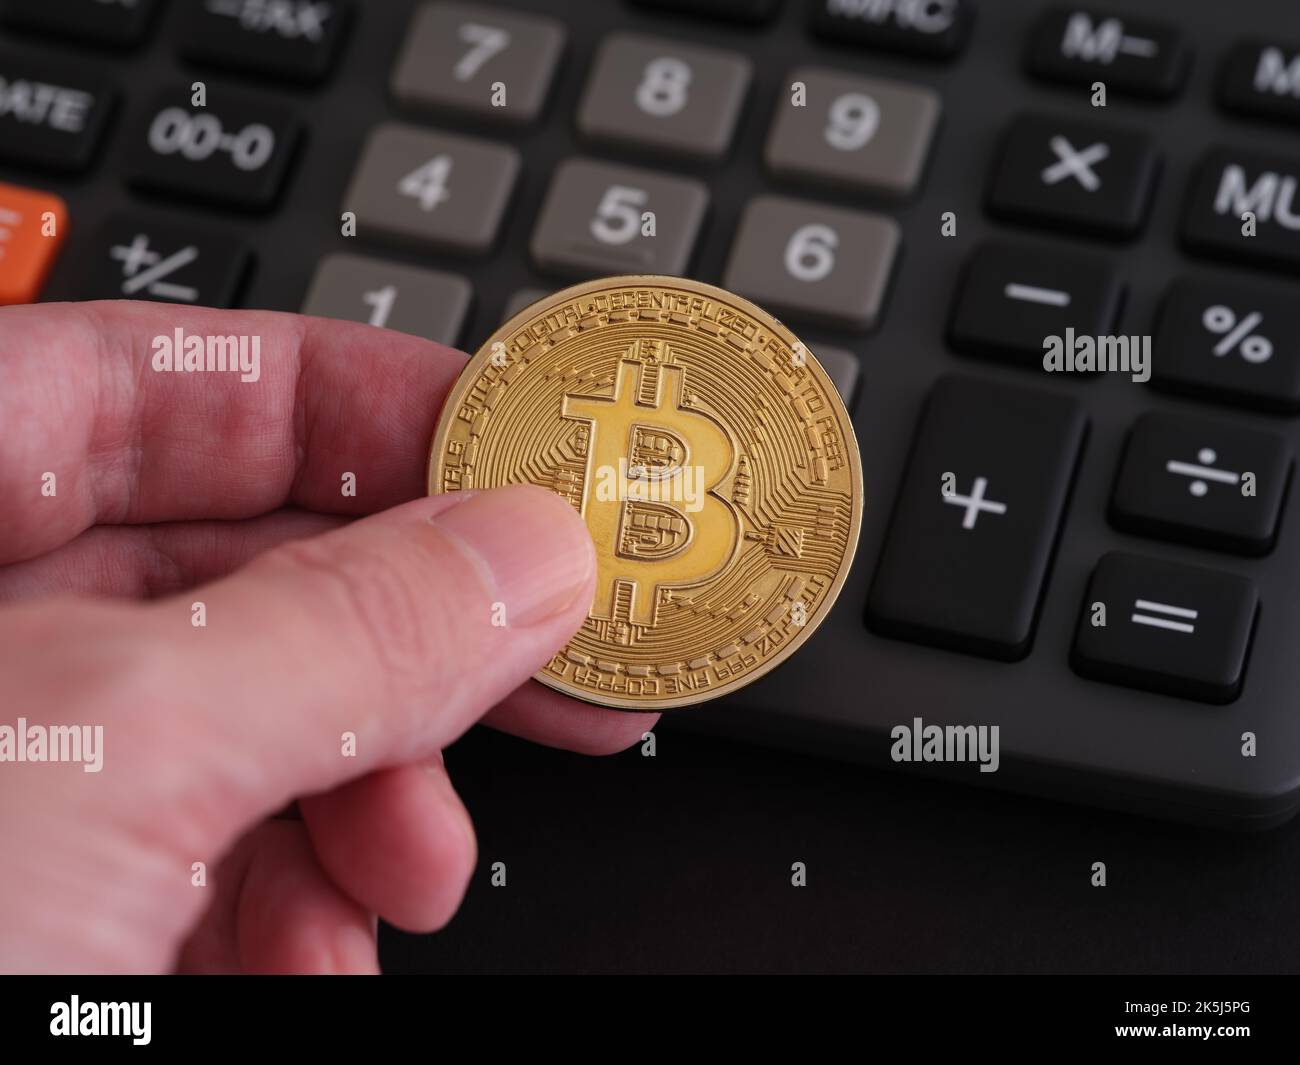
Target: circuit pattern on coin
(710, 456)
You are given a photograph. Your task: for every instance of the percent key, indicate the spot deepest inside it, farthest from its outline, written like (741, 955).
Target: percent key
(1230, 343)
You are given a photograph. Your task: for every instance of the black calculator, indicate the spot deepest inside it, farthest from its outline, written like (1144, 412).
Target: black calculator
(1049, 253)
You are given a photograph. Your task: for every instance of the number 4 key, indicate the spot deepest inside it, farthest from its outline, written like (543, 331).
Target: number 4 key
(436, 190)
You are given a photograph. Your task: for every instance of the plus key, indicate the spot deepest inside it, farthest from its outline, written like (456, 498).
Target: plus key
(975, 503)
(970, 542)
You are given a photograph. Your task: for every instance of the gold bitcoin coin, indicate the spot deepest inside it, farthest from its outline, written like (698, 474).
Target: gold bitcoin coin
(709, 454)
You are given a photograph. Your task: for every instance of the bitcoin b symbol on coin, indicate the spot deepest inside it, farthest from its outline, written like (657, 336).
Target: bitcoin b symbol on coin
(654, 445)
(710, 458)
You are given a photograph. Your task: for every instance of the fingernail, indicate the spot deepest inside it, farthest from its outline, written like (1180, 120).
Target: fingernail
(532, 547)
(438, 773)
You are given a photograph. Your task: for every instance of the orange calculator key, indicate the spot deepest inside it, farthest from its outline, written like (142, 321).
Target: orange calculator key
(32, 225)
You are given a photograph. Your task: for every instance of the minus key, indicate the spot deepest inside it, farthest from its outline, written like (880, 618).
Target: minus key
(1012, 296)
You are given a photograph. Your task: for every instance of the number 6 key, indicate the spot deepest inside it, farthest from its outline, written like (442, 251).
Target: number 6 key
(813, 261)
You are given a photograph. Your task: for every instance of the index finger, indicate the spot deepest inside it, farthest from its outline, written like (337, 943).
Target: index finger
(99, 430)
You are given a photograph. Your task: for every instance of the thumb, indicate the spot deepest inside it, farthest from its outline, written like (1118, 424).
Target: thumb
(373, 645)
(382, 642)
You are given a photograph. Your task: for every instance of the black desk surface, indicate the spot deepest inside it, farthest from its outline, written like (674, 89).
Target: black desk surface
(681, 863)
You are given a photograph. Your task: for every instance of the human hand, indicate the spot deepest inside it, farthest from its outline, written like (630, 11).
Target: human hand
(172, 489)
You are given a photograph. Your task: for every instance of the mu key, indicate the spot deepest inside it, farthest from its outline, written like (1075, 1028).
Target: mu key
(1243, 205)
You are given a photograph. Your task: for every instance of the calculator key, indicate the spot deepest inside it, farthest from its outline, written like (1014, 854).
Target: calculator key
(971, 539)
(1228, 183)
(1012, 296)
(1180, 630)
(1230, 341)
(868, 134)
(932, 28)
(1134, 56)
(519, 301)
(32, 227)
(291, 40)
(1262, 78)
(731, 10)
(117, 23)
(439, 190)
(647, 92)
(599, 218)
(842, 368)
(1084, 176)
(235, 152)
(1202, 482)
(464, 57)
(811, 260)
(525, 297)
(52, 115)
(410, 299)
(141, 258)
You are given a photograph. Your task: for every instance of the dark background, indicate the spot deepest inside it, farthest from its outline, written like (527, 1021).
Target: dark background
(681, 863)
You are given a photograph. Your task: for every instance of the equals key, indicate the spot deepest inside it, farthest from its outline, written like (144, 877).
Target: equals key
(1177, 629)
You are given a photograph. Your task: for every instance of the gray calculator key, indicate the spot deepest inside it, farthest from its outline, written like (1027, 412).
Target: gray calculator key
(478, 59)
(410, 299)
(842, 368)
(598, 218)
(825, 264)
(869, 134)
(523, 298)
(653, 93)
(428, 189)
